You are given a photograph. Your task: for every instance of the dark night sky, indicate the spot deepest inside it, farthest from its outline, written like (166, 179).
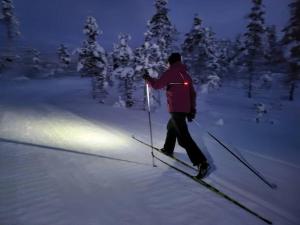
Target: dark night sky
(48, 23)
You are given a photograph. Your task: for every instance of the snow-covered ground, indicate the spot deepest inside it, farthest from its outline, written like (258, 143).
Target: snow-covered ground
(66, 159)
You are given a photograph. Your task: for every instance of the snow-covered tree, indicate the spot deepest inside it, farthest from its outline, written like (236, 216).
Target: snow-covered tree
(149, 58)
(225, 52)
(123, 68)
(211, 62)
(160, 28)
(291, 40)
(31, 63)
(154, 58)
(122, 53)
(200, 53)
(159, 43)
(273, 54)
(93, 60)
(194, 37)
(254, 36)
(9, 19)
(236, 60)
(191, 47)
(36, 60)
(64, 56)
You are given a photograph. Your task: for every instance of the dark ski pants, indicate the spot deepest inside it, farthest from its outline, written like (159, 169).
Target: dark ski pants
(177, 129)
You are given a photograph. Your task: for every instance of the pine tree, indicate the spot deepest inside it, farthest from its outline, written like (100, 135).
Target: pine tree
(225, 47)
(194, 37)
(32, 64)
(123, 68)
(201, 55)
(92, 59)
(291, 40)
(254, 51)
(149, 57)
(36, 60)
(160, 39)
(210, 60)
(191, 47)
(236, 59)
(9, 19)
(161, 30)
(255, 33)
(154, 56)
(274, 54)
(64, 56)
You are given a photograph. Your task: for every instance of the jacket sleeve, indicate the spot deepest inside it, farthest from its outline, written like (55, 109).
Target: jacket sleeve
(161, 82)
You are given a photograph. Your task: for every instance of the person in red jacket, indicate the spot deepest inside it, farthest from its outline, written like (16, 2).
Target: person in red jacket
(181, 98)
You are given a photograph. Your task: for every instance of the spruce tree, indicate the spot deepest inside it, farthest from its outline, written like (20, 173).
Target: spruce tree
(191, 47)
(33, 64)
(254, 51)
(274, 54)
(236, 59)
(209, 56)
(161, 30)
(123, 68)
(194, 37)
(92, 59)
(160, 39)
(149, 58)
(9, 19)
(64, 56)
(201, 55)
(36, 60)
(291, 40)
(224, 56)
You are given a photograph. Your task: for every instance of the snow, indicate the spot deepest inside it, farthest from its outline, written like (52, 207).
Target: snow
(124, 72)
(66, 159)
(220, 122)
(80, 66)
(120, 103)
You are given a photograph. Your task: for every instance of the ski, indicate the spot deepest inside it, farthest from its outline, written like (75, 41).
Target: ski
(201, 182)
(170, 156)
(273, 186)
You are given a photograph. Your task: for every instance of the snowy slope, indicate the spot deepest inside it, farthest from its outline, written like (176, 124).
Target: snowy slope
(65, 159)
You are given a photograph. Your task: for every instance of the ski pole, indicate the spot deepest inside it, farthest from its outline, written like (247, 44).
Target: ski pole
(150, 124)
(273, 186)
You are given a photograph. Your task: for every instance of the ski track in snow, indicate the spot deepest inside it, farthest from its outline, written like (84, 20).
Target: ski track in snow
(111, 180)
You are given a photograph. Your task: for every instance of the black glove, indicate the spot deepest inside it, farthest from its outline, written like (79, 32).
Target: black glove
(146, 75)
(191, 115)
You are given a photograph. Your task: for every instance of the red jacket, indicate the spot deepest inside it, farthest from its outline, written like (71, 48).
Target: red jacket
(181, 95)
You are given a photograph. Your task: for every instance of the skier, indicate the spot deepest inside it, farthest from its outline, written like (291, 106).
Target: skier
(181, 98)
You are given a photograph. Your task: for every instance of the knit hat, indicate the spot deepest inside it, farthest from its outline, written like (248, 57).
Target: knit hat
(174, 57)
